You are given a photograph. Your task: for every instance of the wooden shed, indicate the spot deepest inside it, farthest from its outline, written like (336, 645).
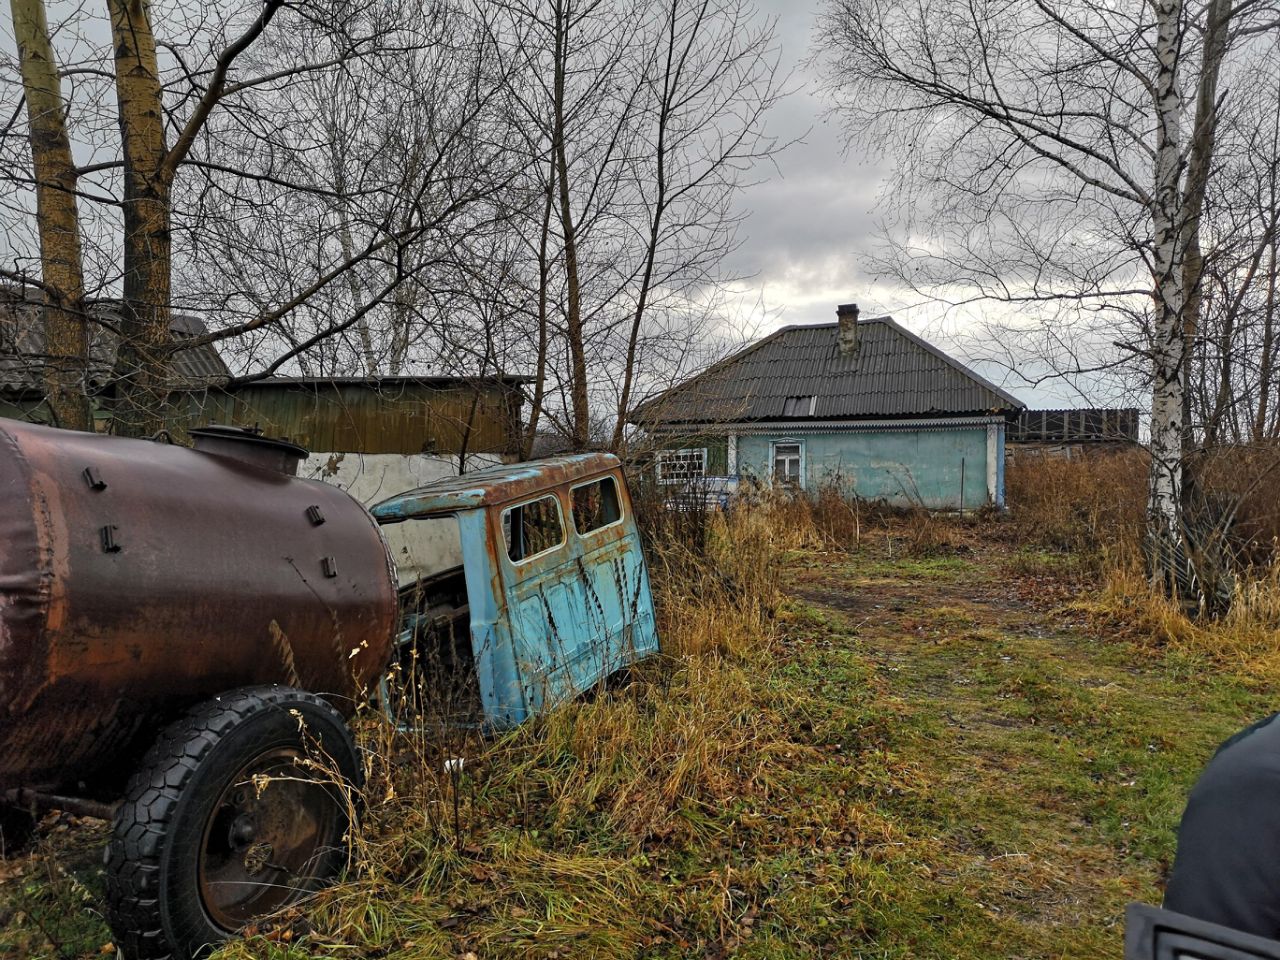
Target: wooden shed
(442, 416)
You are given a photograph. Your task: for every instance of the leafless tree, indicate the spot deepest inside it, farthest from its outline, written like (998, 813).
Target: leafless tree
(205, 161)
(54, 177)
(642, 123)
(371, 187)
(1062, 153)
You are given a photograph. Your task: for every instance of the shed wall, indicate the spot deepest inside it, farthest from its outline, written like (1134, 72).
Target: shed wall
(407, 419)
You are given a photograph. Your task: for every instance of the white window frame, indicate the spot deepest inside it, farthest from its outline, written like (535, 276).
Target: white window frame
(773, 459)
(681, 455)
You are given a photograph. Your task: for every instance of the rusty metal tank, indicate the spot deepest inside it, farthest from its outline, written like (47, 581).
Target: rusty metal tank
(137, 578)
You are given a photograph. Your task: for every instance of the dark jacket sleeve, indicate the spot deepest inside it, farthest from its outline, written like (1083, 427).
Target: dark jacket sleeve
(1227, 868)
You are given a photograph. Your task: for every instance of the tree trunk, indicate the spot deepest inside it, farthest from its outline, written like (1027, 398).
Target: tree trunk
(1213, 430)
(1199, 166)
(581, 427)
(346, 239)
(1266, 368)
(544, 279)
(669, 81)
(142, 364)
(62, 267)
(1168, 348)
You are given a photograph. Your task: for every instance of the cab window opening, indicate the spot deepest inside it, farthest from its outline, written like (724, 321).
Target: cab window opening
(532, 528)
(596, 505)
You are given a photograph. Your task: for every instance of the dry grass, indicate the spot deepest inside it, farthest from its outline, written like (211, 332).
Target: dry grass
(1092, 508)
(1246, 639)
(880, 769)
(540, 845)
(1087, 505)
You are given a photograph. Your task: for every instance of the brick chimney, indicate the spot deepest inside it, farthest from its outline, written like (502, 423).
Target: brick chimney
(847, 313)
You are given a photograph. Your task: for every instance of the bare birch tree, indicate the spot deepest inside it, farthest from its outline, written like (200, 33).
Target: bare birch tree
(1055, 145)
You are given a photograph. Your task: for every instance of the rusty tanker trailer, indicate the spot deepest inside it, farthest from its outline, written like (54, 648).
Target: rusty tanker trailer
(182, 635)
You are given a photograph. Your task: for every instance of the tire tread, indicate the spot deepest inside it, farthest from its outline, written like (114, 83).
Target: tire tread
(151, 800)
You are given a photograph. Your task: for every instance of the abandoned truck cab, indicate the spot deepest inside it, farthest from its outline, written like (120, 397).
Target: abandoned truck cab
(550, 598)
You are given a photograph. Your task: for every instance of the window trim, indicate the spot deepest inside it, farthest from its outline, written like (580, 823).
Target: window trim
(661, 455)
(617, 491)
(564, 530)
(773, 457)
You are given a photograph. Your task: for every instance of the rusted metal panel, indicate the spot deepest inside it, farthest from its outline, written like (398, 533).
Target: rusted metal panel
(495, 485)
(137, 578)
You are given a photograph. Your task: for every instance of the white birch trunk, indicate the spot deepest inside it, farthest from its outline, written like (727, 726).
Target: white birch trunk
(1164, 527)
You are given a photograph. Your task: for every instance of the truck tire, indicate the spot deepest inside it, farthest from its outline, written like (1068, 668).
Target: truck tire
(17, 827)
(241, 808)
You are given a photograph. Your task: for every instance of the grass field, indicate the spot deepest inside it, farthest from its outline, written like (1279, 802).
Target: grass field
(921, 757)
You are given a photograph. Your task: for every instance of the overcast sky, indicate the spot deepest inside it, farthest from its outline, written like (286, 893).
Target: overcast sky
(810, 221)
(810, 217)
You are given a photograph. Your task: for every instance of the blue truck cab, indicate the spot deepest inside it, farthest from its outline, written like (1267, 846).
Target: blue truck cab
(551, 597)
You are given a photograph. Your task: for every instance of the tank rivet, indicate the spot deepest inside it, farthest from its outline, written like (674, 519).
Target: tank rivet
(109, 542)
(94, 479)
(314, 515)
(330, 566)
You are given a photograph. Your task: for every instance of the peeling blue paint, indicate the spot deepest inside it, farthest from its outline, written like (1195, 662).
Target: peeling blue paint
(547, 628)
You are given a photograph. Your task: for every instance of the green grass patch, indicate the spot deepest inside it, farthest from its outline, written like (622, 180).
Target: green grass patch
(909, 768)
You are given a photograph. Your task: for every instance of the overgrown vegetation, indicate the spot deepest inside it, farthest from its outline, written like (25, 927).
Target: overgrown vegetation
(763, 791)
(1090, 509)
(872, 733)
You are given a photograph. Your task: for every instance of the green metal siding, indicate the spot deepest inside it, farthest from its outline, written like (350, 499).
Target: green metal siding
(922, 466)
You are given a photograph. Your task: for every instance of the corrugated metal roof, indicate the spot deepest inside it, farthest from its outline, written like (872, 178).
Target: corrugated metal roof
(801, 369)
(22, 346)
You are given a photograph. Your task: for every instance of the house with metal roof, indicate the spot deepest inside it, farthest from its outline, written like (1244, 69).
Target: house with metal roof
(22, 355)
(863, 404)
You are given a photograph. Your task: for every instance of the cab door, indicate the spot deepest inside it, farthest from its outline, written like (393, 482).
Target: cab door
(544, 598)
(615, 581)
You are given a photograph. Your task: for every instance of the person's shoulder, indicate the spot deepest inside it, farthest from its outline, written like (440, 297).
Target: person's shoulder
(1258, 734)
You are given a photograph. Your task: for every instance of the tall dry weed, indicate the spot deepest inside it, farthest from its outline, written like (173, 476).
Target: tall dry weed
(1091, 505)
(537, 837)
(1094, 508)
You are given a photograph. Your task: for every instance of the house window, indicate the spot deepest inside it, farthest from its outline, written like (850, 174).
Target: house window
(799, 406)
(682, 466)
(788, 464)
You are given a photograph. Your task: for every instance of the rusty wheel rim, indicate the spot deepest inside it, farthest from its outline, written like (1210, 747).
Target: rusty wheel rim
(267, 840)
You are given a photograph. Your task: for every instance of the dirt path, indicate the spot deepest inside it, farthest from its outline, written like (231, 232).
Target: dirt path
(1045, 767)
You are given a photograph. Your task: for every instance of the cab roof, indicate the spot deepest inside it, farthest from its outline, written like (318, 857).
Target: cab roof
(494, 485)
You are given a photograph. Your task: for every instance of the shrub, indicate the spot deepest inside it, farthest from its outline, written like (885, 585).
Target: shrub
(1093, 505)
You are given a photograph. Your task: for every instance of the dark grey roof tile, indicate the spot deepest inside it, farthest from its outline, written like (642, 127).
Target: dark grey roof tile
(22, 345)
(894, 374)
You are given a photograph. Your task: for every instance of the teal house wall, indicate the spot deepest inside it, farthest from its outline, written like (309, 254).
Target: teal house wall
(928, 466)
